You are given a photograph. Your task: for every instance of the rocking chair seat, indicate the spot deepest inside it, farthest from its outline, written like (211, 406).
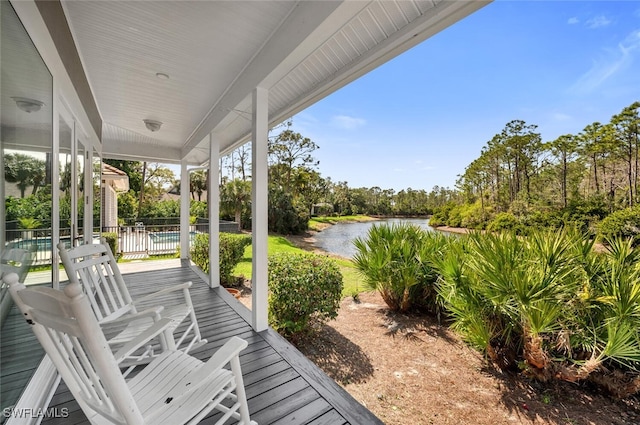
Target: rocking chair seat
(174, 388)
(94, 267)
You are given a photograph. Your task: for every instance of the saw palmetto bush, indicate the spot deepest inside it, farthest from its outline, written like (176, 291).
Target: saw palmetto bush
(548, 304)
(614, 301)
(395, 260)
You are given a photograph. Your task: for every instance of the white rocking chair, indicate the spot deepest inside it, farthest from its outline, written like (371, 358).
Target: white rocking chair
(13, 260)
(94, 267)
(174, 388)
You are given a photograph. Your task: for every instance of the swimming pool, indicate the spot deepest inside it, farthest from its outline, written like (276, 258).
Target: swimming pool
(167, 237)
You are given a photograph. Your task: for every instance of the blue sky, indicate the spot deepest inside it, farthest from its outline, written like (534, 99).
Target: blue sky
(420, 119)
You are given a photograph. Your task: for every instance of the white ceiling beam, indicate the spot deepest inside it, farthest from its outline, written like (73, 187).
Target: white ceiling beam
(304, 18)
(124, 150)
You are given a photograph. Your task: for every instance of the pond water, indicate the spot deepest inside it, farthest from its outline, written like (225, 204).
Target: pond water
(338, 239)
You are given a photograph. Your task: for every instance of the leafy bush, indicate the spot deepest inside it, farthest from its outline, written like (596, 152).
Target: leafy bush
(395, 261)
(231, 251)
(112, 240)
(623, 223)
(304, 290)
(543, 218)
(455, 216)
(474, 216)
(440, 215)
(503, 221)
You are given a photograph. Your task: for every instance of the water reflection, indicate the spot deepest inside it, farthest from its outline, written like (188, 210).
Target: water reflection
(338, 239)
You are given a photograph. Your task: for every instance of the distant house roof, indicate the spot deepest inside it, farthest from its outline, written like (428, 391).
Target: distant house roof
(117, 178)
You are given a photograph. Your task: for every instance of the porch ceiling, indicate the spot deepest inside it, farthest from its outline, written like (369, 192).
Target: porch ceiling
(216, 52)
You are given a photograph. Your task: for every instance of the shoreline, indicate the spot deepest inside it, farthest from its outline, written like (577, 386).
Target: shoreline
(449, 229)
(307, 241)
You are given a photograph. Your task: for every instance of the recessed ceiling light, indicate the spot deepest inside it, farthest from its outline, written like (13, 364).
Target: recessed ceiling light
(162, 75)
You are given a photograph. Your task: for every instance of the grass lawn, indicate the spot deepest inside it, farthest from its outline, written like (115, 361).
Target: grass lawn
(319, 223)
(352, 280)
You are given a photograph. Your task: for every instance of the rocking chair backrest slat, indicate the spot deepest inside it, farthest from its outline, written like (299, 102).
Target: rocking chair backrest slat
(94, 267)
(66, 327)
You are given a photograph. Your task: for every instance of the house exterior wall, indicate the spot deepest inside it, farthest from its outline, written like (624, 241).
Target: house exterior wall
(109, 206)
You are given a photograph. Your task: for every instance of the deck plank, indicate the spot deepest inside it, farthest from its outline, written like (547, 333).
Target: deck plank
(282, 385)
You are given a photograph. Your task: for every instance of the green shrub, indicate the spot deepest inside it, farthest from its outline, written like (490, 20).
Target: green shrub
(395, 261)
(112, 240)
(474, 216)
(504, 221)
(624, 223)
(455, 216)
(440, 216)
(304, 290)
(231, 251)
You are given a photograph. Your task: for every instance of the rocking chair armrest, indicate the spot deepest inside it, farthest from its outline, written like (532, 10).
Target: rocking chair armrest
(153, 312)
(184, 286)
(142, 339)
(223, 355)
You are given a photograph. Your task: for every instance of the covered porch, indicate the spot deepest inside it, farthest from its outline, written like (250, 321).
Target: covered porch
(282, 385)
(186, 83)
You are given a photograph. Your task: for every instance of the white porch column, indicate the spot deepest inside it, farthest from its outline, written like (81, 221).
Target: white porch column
(213, 195)
(184, 210)
(259, 208)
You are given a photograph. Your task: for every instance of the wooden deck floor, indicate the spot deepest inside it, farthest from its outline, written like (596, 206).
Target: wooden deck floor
(283, 386)
(20, 355)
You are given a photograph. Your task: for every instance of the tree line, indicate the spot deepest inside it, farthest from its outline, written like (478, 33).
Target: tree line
(519, 176)
(297, 190)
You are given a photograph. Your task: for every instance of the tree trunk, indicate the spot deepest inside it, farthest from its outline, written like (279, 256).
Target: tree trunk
(595, 173)
(564, 180)
(238, 218)
(141, 194)
(630, 172)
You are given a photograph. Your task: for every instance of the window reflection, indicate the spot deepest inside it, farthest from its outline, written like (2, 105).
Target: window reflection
(26, 126)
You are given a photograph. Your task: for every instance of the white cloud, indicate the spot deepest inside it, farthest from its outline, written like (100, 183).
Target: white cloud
(598, 22)
(347, 122)
(612, 61)
(305, 118)
(559, 116)
(573, 21)
(420, 165)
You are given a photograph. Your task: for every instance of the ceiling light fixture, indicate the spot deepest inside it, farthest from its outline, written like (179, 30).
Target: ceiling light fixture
(152, 125)
(28, 105)
(162, 75)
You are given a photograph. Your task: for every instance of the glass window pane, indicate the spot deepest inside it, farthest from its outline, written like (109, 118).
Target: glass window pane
(26, 140)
